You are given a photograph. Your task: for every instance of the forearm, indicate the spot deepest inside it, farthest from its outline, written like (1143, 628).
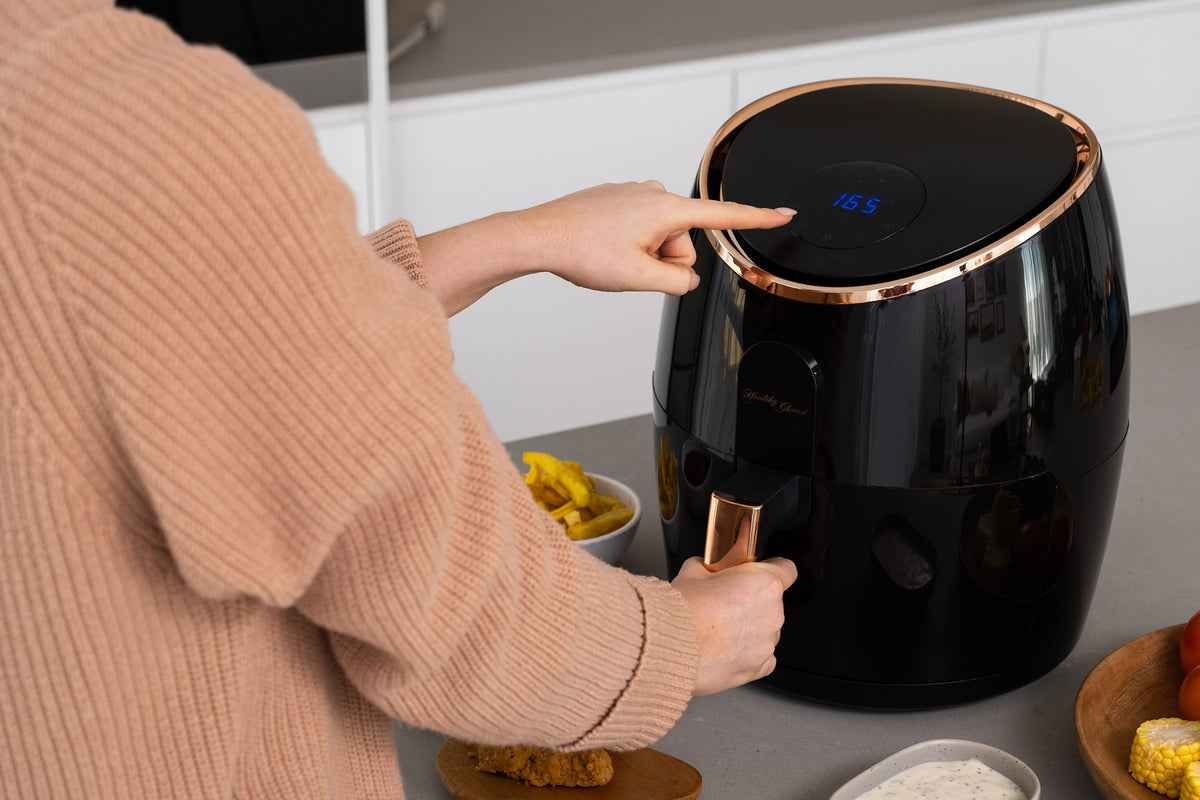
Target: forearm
(465, 262)
(615, 237)
(451, 593)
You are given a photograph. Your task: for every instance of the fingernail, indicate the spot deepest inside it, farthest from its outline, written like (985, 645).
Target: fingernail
(694, 282)
(787, 212)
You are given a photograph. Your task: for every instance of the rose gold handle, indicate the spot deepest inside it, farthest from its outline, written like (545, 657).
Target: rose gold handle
(732, 532)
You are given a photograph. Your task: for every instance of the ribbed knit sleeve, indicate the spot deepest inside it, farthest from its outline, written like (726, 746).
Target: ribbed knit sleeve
(287, 402)
(397, 243)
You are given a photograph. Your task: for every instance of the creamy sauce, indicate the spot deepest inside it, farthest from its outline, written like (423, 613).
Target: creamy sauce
(946, 780)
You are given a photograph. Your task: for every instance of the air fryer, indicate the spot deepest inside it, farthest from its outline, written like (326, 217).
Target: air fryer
(917, 390)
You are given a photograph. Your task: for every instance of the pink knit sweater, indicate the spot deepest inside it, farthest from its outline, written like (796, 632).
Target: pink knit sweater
(247, 512)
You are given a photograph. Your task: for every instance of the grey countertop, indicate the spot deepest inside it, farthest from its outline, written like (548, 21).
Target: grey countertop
(755, 742)
(486, 43)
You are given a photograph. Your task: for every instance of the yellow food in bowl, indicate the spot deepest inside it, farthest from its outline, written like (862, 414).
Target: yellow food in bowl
(564, 489)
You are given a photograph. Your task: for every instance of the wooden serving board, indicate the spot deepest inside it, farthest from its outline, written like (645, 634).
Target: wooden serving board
(637, 775)
(1137, 682)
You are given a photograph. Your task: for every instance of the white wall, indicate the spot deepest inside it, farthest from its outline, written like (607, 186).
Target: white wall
(544, 356)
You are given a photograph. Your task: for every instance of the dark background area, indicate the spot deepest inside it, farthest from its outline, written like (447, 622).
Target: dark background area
(265, 31)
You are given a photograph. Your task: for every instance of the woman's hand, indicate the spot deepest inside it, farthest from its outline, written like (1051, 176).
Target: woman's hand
(633, 236)
(739, 614)
(615, 237)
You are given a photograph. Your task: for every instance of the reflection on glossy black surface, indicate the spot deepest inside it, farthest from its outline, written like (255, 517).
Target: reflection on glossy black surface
(984, 418)
(905, 559)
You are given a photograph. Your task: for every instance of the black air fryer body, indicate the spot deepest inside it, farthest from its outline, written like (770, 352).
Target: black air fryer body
(924, 377)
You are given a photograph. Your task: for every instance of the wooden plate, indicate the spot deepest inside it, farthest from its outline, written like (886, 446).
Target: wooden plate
(1137, 682)
(640, 774)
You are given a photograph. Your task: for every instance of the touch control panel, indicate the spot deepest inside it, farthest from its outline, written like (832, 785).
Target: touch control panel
(855, 203)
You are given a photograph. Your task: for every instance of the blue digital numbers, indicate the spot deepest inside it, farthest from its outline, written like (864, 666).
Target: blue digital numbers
(863, 204)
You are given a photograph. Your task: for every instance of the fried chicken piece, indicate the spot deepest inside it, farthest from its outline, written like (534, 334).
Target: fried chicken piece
(540, 766)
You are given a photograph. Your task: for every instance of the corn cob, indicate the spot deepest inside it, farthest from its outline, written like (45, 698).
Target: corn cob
(1162, 750)
(1190, 789)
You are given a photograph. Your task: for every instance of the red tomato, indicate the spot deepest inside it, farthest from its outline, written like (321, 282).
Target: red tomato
(1189, 695)
(1189, 644)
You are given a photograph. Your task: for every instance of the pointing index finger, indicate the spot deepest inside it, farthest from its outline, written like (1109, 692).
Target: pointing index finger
(724, 215)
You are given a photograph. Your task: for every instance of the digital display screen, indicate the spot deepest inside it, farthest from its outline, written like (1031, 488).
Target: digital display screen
(854, 203)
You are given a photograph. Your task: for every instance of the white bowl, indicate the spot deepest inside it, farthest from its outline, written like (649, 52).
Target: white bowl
(611, 546)
(943, 750)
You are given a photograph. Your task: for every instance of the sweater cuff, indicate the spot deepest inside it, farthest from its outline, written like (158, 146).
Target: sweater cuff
(396, 242)
(662, 683)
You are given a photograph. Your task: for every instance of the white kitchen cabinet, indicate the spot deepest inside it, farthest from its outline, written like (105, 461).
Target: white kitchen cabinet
(542, 354)
(460, 157)
(1153, 180)
(978, 55)
(1130, 69)
(342, 137)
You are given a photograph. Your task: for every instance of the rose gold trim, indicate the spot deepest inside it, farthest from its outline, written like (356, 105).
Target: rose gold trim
(1087, 164)
(731, 535)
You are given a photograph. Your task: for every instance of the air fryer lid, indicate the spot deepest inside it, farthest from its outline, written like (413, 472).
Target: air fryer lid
(891, 179)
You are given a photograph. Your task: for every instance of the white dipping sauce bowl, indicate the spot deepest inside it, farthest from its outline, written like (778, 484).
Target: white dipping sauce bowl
(1006, 764)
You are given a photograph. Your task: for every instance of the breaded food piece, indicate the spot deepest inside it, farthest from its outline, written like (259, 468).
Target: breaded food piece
(540, 766)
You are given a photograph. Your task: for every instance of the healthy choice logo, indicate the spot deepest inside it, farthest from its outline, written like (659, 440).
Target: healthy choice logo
(773, 402)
